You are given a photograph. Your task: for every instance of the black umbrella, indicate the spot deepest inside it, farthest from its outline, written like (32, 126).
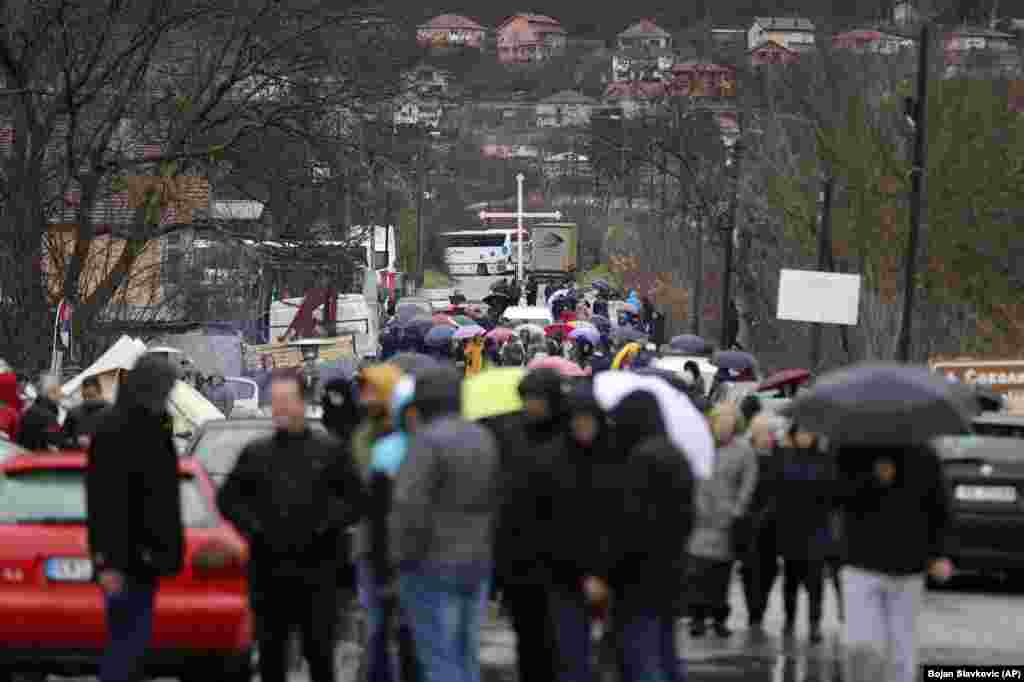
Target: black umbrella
(414, 363)
(690, 344)
(885, 405)
(734, 359)
(497, 299)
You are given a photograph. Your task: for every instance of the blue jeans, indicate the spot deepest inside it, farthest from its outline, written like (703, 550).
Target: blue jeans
(379, 666)
(130, 627)
(572, 635)
(446, 606)
(647, 642)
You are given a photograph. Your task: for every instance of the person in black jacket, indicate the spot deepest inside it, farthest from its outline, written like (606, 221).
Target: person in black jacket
(40, 425)
(544, 405)
(895, 519)
(804, 494)
(291, 495)
(81, 421)
(650, 528)
(134, 512)
(576, 536)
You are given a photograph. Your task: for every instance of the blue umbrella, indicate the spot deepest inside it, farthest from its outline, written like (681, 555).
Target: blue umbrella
(601, 322)
(419, 326)
(690, 344)
(439, 337)
(734, 359)
(601, 285)
(629, 334)
(884, 405)
(590, 334)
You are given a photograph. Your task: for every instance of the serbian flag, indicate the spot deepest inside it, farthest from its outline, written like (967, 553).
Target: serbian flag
(64, 323)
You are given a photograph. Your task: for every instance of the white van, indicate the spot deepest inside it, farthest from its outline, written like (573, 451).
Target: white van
(355, 314)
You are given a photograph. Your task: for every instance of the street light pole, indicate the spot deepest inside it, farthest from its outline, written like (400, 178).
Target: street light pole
(916, 194)
(420, 165)
(737, 155)
(824, 262)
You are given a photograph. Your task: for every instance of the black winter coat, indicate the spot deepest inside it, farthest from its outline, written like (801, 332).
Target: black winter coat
(293, 497)
(803, 492)
(133, 495)
(40, 426)
(651, 527)
(522, 511)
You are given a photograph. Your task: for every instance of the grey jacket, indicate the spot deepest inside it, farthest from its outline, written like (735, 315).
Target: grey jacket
(446, 495)
(722, 499)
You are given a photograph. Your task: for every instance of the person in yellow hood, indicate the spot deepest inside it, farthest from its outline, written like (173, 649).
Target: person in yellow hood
(474, 356)
(375, 386)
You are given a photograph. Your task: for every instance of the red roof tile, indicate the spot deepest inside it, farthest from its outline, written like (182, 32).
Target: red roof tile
(452, 21)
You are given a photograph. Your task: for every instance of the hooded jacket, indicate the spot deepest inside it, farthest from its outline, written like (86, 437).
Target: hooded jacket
(549, 385)
(341, 409)
(447, 485)
(132, 485)
(10, 405)
(656, 484)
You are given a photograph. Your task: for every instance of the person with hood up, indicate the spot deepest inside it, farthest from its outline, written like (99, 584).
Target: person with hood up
(692, 369)
(292, 495)
(651, 529)
(895, 518)
(10, 405)
(442, 528)
(520, 573)
(804, 494)
(761, 560)
(544, 405)
(374, 387)
(40, 427)
(721, 501)
(576, 539)
(376, 571)
(474, 354)
(135, 530)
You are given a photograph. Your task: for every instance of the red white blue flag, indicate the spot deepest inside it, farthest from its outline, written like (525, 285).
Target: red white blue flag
(64, 317)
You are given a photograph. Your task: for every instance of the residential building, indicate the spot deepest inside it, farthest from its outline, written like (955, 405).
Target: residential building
(449, 31)
(872, 41)
(643, 64)
(726, 37)
(771, 52)
(426, 81)
(905, 14)
(526, 37)
(566, 165)
(793, 33)
(411, 110)
(980, 50)
(634, 98)
(568, 108)
(644, 34)
(703, 79)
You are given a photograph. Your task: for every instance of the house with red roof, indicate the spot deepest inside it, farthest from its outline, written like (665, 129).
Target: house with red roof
(771, 52)
(448, 31)
(644, 34)
(703, 79)
(528, 37)
(643, 53)
(978, 50)
(871, 41)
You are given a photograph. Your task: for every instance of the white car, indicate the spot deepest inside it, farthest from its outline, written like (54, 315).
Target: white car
(517, 315)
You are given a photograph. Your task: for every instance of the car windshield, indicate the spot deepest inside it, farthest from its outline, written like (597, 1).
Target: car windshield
(218, 448)
(58, 496)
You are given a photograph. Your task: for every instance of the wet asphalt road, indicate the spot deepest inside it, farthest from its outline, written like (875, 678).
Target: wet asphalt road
(976, 621)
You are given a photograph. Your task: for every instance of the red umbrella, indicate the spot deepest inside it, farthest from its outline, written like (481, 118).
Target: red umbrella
(557, 329)
(566, 367)
(501, 334)
(787, 377)
(443, 320)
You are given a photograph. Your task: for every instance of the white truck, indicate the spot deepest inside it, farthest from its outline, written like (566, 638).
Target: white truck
(555, 249)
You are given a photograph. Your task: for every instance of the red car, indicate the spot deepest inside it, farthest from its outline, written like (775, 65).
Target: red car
(52, 617)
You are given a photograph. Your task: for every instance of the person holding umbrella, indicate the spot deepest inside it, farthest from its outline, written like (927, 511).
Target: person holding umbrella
(892, 493)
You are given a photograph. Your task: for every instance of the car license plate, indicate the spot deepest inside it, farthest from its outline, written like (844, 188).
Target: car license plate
(986, 493)
(69, 570)
(463, 269)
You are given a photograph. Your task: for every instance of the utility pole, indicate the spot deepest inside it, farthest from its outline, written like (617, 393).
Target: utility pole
(917, 175)
(698, 283)
(420, 190)
(824, 264)
(730, 236)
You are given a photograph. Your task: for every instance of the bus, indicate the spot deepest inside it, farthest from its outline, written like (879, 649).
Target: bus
(485, 252)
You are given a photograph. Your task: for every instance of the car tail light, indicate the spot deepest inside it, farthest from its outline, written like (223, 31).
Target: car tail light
(218, 559)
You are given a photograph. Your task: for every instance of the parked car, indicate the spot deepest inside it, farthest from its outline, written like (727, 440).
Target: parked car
(986, 479)
(517, 315)
(217, 444)
(52, 617)
(247, 395)
(999, 424)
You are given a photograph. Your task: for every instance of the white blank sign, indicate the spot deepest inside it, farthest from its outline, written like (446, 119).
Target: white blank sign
(822, 297)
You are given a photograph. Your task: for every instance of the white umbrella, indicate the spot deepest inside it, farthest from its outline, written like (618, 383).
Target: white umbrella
(561, 293)
(686, 427)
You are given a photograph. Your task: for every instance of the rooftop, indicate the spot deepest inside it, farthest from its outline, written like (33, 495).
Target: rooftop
(568, 97)
(552, 24)
(645, 28)
(785, 23)
(452, 21)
